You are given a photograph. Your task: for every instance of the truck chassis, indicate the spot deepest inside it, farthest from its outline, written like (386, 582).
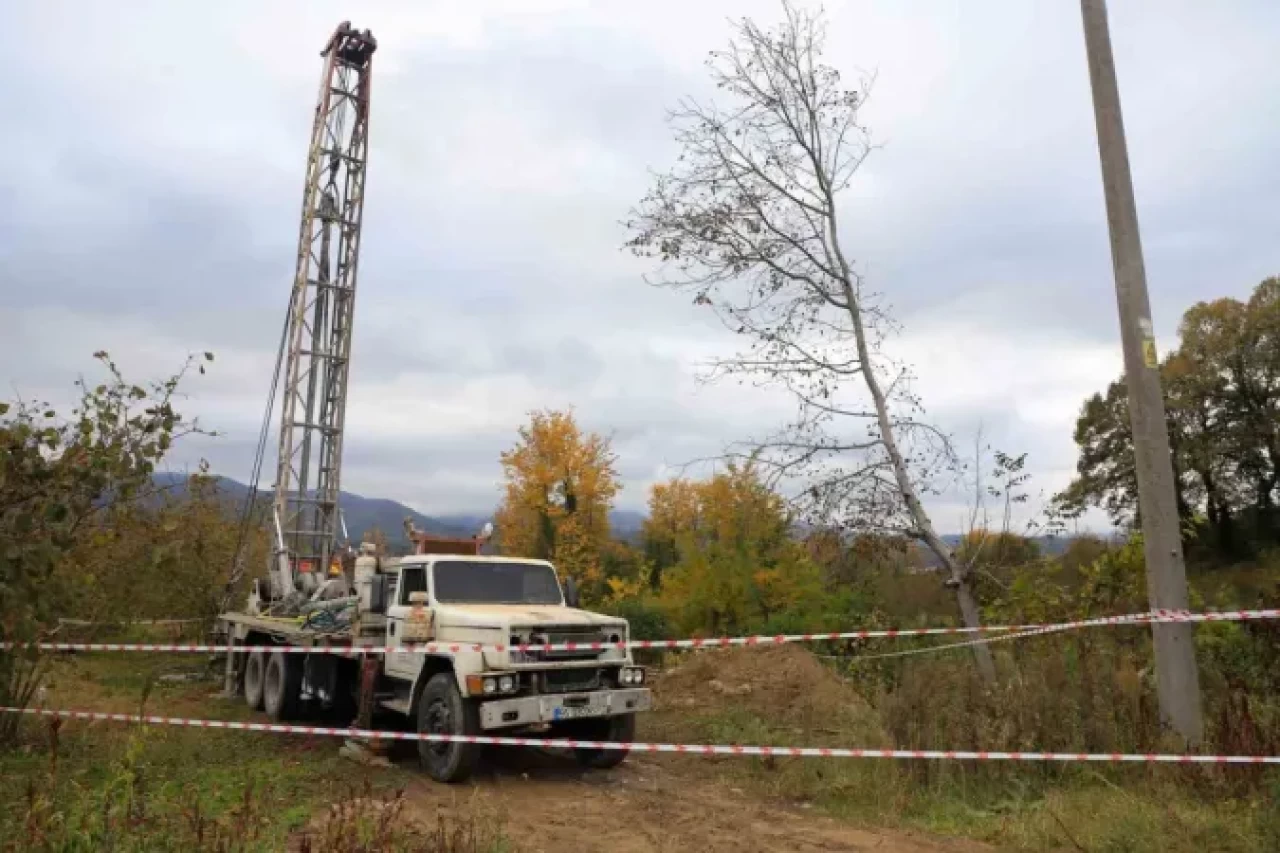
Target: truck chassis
(438, 693)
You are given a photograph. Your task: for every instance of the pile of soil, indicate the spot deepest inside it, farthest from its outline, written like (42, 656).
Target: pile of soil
(784, 687)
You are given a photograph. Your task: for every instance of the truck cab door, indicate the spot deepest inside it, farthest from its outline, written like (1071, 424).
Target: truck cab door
(410, 620)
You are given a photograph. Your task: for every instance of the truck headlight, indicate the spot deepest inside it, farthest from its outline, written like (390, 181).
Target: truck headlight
(631, 675)
(492, 685)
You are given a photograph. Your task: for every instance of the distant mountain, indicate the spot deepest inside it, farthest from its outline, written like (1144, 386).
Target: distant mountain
(626, 523)
(362, 513)
(359, 512)
(1050, 546)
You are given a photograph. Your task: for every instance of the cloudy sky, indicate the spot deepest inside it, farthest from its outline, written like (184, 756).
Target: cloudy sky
(154, 161)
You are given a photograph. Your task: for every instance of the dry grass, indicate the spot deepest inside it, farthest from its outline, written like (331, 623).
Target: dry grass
(159, 788)
(786, 686)
(98, 786)
(1052, 696)
(779, 695)
(372, 823)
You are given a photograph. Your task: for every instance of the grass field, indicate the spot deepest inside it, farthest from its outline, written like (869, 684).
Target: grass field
(107, 786)
(784, 696)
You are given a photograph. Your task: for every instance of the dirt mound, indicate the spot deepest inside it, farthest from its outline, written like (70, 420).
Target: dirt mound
(782, 686)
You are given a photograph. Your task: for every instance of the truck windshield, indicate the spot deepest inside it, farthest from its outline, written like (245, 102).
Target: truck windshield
(479, 582)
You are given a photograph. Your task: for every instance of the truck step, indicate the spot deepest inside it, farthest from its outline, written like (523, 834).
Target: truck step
(399, 704)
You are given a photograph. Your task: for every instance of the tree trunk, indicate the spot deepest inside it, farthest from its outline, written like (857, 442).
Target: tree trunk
(958, 579)
(1219, 515)
(1268, 514)
(1226, 535)
(957, 576)
(546, 545)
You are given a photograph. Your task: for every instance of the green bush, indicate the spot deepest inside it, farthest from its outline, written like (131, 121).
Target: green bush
(58, 477)
(647, 620)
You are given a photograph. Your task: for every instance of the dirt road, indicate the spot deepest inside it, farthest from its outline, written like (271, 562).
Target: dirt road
(649, 805)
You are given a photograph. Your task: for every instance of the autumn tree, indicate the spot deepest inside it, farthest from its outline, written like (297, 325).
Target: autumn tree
(748, 222)
(624, 561)
(737, 565)
(673, 511)
(847, 560)
(168, 556)
(1222, 387)
(560, 486)
(1001, 549)
(1082, 551)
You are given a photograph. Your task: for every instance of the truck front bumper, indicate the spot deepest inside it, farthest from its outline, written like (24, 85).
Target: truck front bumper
(560, 707)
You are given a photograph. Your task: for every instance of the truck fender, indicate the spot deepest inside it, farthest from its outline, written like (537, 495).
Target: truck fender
(431, 665)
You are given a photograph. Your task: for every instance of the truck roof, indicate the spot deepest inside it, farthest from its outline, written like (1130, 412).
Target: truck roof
(419, 559)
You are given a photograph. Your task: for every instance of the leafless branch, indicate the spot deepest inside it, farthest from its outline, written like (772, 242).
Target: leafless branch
(747, 221)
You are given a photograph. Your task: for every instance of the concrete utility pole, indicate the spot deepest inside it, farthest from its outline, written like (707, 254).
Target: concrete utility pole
(1176, 674)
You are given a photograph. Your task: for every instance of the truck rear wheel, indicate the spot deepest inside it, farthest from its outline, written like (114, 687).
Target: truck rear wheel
(443, 711)
(619, 729)
(254, 670)
(282, 686)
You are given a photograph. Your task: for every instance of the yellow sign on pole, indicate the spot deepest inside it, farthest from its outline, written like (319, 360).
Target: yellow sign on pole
(1149, 352)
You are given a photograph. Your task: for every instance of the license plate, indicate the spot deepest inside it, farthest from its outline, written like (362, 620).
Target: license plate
(563, 712)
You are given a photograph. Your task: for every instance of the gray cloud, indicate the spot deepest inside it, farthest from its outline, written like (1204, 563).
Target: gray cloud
(148, 205)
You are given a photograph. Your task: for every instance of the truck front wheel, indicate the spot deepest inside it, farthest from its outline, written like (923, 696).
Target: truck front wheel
(443, 711)
(619, 729)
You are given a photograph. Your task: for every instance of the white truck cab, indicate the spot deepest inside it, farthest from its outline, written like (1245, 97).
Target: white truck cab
(459, 602)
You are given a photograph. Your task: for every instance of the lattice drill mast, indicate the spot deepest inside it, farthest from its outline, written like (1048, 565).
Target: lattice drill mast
(318, 334)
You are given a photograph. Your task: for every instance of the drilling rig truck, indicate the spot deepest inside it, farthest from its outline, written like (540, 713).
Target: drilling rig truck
(458, 642)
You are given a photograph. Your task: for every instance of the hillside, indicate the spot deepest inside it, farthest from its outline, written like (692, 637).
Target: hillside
(362, 513)
(359, 512)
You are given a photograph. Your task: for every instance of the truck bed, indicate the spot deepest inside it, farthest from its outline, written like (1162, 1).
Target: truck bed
(288, 630)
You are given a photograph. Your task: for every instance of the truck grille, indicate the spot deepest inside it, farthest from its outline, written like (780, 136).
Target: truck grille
(562, 635)
(570, 680)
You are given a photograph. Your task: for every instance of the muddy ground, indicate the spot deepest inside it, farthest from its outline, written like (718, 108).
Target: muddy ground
(650, 804)
(666, 803)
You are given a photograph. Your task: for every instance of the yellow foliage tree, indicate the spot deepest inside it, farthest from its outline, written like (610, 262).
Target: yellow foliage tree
(673, 511)
(737, 566)
(560, 485)
(996, 549)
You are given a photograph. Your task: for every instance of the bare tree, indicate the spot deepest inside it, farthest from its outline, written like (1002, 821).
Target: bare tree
(747, 220)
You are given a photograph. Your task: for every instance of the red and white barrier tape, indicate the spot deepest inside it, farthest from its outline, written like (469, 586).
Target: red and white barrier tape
(963, 644)
(680, 748)
(1158, 616)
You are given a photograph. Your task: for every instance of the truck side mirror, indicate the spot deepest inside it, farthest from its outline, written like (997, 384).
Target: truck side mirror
(570, 592)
